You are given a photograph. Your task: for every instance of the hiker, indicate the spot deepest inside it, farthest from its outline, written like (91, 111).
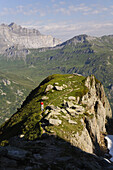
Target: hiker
(42, 106)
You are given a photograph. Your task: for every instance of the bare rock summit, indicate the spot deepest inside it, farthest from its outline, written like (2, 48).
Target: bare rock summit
(13, 35)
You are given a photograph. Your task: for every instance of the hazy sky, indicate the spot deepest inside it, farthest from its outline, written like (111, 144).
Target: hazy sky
(61, 18)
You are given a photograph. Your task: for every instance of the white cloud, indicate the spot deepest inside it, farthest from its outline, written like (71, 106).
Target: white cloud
(62, 10)
(25, 10)
(81, 8)
(66, 31)
(95, 12)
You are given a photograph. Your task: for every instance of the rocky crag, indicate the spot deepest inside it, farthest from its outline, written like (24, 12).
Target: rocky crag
(14, 35)
(70, 129)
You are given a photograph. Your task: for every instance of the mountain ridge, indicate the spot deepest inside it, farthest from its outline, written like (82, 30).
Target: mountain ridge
(71, 126)
(83, 54)
(13, 35)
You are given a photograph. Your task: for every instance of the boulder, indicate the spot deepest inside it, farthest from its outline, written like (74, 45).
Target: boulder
(78, 100)
(56, 83)
(55, 122)
(71, 98)
(72, 121)
(49, 87)
(69, 104)
(72, 112)
(64, 85)
(59, 88)
(52, 113)
(64, 111)
(45, 98)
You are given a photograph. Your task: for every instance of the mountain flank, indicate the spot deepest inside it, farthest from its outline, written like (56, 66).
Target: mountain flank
(76, 110)
(82, 54)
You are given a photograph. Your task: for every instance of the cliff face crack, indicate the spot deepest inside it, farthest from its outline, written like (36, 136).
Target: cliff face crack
(96, 147)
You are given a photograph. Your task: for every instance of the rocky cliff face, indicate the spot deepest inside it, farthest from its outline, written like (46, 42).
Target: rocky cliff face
(75, 112)
(13, 35)
(95, 106)
(98, 105)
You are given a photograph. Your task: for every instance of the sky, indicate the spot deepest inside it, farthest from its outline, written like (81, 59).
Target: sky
(62, 19)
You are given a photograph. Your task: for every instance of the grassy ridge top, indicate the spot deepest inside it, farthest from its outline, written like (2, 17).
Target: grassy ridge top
(27, 120)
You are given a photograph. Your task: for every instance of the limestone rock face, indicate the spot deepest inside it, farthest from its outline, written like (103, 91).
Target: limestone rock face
(98, 105)
(13, 35)
(83, 141)
(94, 105)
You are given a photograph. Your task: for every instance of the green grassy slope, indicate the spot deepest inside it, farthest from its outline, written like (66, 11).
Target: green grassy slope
(82, 54)
(13, 90)
(27, 120)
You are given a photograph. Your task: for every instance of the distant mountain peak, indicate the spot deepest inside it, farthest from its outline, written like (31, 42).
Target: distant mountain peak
(15, 34)
(12, 24)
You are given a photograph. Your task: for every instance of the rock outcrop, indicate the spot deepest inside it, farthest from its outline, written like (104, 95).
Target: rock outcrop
(95, 106)
(76, 114)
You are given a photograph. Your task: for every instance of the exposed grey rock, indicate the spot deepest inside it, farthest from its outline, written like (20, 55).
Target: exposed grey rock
(72, 121)
(83, 141)
(49, 87)
(65, 103)
(72, 112)
(64, 111)
(77, 74)
(77, 99)
(52, 113)
(69, 104)
(13, 35)
(71, 98)
(45, 98)
(66, 117)
(6, 82)
(56, 83)
(79, 108)
(97, 105)
(59, 88)
(46, 111)
(55, 122)
(64, 85)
